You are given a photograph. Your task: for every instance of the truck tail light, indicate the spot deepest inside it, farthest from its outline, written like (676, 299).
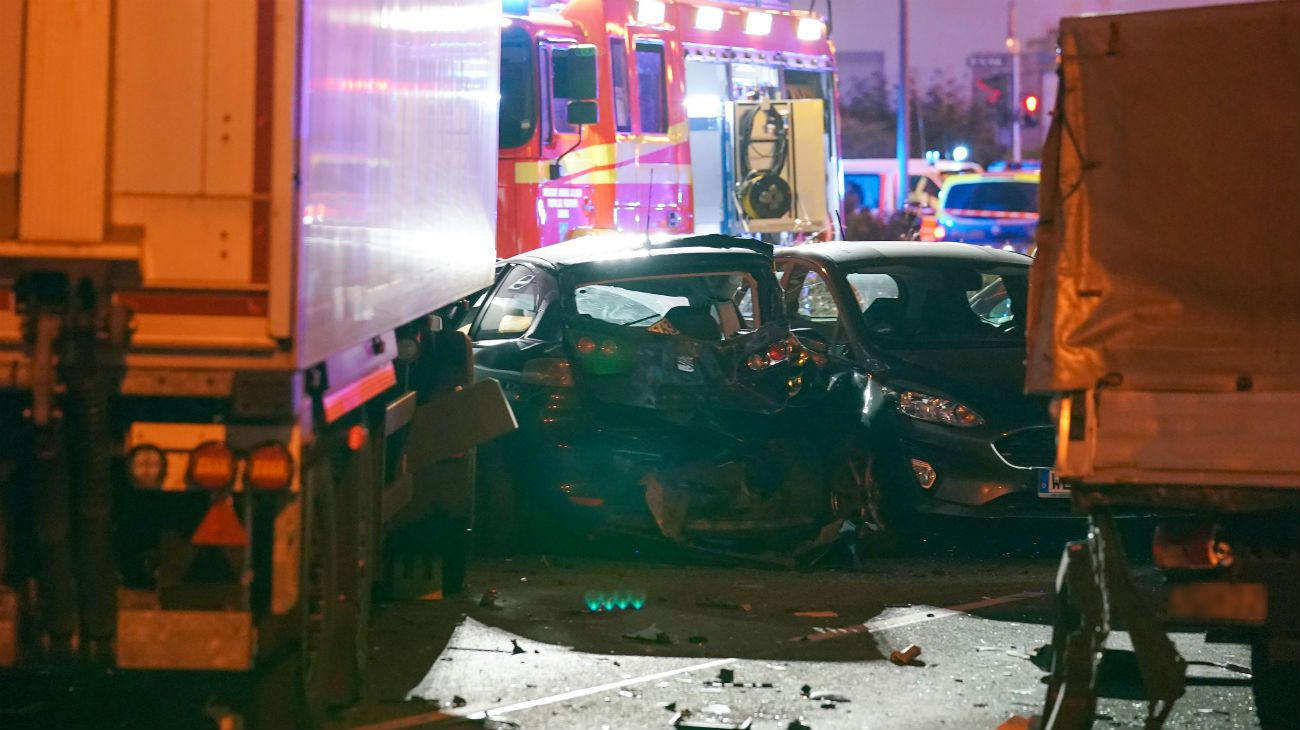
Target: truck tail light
(1183, 546)
(212, 466)
(147, 467)
(939, 232)
(270, 467)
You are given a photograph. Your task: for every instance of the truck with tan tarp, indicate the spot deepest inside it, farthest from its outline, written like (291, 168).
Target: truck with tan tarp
(1165, 320)
(230, 233)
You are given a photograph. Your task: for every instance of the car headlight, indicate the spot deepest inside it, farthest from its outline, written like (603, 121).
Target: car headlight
(932, 408)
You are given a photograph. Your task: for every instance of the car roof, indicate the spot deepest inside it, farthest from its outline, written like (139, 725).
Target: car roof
(622, 250)
(853, 253)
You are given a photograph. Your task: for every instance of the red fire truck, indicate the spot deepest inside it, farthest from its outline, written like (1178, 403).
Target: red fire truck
(711, 116)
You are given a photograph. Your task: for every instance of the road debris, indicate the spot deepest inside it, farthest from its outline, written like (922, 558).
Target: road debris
(493, 723)
(1017, 654)
(458, 701)
(686, 720)
(517, 648)
(797, 725)
(817, 614)
(491, 599)
(828, 697)
(629, 693)
(651, 634)
(908, 656)
(726, 676)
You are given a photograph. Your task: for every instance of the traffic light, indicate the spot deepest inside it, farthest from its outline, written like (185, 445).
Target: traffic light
(1029, 111)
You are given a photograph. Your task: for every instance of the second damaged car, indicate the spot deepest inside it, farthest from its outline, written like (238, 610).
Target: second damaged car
(657, 387)
(926, 343)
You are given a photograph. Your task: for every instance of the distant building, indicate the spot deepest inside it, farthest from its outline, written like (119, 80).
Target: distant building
(860, 71)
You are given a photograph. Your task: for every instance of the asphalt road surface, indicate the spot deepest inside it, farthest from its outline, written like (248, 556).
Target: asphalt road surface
(539, 658)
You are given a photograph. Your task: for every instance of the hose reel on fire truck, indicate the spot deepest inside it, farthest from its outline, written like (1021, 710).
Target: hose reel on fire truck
(780, 165)
(762, 192)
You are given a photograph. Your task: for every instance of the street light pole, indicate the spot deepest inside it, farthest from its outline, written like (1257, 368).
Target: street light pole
(902, 148)
(1013, 45)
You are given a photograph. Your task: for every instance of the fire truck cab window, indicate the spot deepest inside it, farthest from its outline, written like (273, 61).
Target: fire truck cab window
(518, 98)
(622, 95)
(555, 108)
(650, 89)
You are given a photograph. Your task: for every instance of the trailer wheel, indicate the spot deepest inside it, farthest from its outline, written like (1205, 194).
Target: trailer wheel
(1276, 686)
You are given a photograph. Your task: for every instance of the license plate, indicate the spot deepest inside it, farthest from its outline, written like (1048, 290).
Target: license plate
(1050, 486)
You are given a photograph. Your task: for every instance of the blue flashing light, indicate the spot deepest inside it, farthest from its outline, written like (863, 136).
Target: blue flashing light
(515, 7)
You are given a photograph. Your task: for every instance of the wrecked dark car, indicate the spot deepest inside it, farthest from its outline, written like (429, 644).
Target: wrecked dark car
(657, 388)
(927, 347)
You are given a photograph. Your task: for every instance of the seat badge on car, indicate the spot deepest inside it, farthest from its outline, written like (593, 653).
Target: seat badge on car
(686, 363)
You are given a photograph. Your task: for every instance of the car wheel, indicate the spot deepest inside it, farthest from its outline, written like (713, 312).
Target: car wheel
(857, 495)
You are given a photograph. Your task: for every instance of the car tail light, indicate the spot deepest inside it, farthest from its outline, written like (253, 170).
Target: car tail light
(1182, 546)
(939, 232)
(212, 466)
(585, 345)
(778, 352)
(147, 467)
(270, 466)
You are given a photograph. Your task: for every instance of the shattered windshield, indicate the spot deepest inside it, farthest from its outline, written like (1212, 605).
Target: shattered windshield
(942, 305)
(702, 306)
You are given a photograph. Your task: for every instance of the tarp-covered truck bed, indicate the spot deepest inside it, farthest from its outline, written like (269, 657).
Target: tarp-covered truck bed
(1166, 290)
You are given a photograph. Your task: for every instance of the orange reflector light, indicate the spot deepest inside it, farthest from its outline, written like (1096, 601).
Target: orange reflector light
(357, 437)
(220, 526)
(212, 466)
(586, 345)
(270, 466)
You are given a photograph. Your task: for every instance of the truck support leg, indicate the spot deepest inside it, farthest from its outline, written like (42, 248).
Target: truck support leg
(1094, 590)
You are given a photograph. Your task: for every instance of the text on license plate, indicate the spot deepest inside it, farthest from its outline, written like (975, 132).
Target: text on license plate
(1050, 486)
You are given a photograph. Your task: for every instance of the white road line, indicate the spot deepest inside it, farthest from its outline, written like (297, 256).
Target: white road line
(918, 616)
(429, 718)
(574, 694)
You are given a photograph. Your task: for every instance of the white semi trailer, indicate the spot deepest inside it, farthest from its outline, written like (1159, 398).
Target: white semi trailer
(227, 231)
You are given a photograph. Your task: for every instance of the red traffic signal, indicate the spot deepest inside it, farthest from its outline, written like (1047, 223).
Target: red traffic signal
(1029, 110)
